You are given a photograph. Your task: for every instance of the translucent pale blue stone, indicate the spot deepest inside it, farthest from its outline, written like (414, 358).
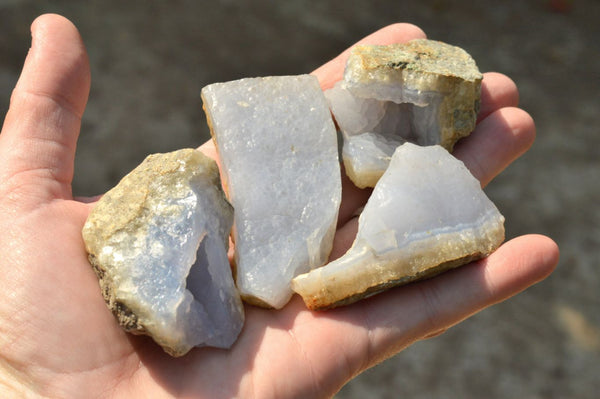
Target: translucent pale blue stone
(426, 214)
(278, 148)
(158, 242)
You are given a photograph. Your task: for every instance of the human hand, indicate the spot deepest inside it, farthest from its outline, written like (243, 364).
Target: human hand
(58, 338)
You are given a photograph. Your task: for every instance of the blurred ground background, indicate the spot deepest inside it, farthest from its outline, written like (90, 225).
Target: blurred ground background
(151, 58)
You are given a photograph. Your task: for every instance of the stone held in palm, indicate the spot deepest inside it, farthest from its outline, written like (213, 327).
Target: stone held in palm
(424, 91)
(158, 243)
(278, 149)
(426, 214)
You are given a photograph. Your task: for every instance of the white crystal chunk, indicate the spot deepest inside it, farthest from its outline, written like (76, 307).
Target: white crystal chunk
(426, 214)
(423, 91)
(158, 243)
(278, 148)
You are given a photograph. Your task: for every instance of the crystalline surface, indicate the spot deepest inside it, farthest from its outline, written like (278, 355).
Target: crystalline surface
(278, 148)
(158, 242)
(426, 214)
(425, 92)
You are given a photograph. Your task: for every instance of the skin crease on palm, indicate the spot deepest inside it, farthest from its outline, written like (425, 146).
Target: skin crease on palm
(57, 337)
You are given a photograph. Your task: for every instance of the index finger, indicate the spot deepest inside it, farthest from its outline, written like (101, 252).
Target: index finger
(332, 71)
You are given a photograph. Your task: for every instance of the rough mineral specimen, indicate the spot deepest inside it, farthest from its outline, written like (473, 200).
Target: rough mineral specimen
(424, 91)
(278, 148)
(426, 214)
(158, 243)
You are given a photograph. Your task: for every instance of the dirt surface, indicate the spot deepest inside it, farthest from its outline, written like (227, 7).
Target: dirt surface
(151, 58)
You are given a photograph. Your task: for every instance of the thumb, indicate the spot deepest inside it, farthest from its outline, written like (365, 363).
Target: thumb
(39, 136)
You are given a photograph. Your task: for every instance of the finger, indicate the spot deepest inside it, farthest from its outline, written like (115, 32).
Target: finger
(353, 199)
(344, 238)
(497, 141)
(40, 131)
(497, 91)
(367, 332)
(331, 72)
(88, 200)
(439, 303)
(376, 328)
(209, 149)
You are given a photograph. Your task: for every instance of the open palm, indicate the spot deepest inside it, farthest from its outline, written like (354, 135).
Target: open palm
(57, 337)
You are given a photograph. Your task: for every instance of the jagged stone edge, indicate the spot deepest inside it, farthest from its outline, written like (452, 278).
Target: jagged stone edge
(124, 315)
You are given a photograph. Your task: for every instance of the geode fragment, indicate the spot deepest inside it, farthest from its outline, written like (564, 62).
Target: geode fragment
(426, 214)
(278, 148)
(424, 91)
(158, 243)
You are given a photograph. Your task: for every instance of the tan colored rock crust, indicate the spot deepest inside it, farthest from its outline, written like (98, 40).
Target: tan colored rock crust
(440, 85)
(425, 66)
(116, 236)
(427, 214)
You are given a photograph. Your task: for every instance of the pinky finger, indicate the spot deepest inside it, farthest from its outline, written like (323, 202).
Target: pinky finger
(399, 317)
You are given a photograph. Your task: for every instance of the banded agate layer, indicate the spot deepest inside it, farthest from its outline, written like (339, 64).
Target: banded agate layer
(426, 214)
